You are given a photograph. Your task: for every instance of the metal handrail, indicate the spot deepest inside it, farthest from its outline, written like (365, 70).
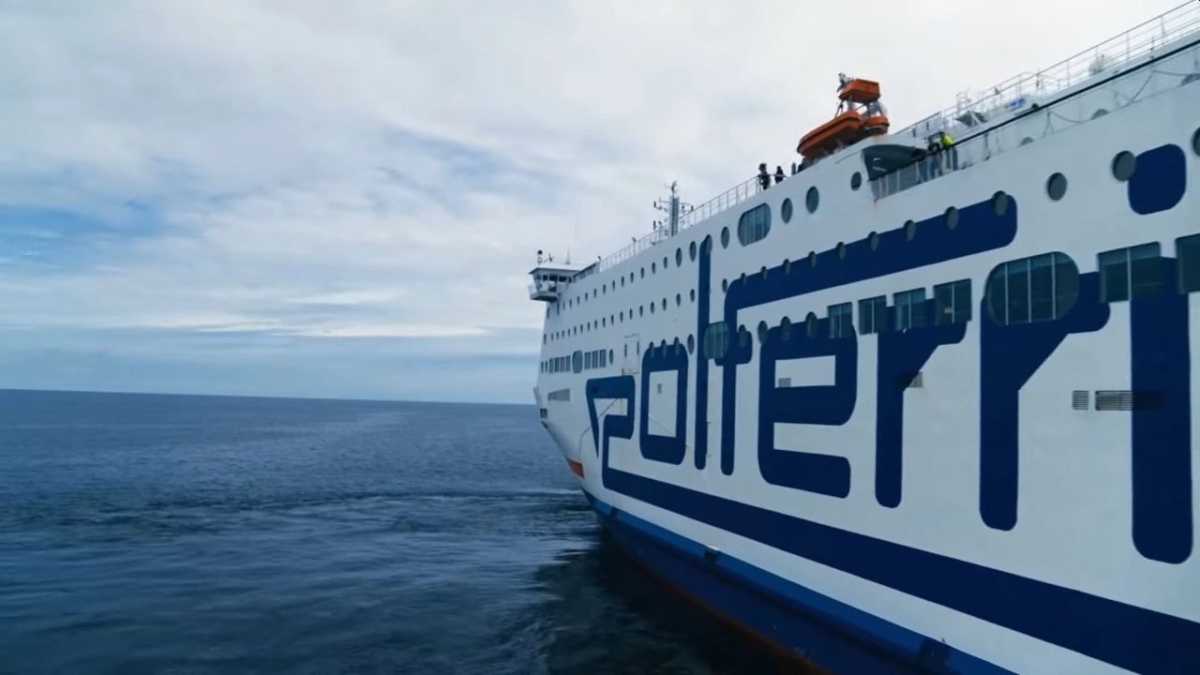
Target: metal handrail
(1134, 43)
(690, 218)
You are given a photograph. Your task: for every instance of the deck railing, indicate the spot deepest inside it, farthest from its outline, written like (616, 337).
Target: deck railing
(689, 218)
(1139, 41)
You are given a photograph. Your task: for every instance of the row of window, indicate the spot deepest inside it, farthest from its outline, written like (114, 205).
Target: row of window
(620, 281)
(559, 395)
(619, 317)
(1139, 271)
(578, 361)
(1039, 288)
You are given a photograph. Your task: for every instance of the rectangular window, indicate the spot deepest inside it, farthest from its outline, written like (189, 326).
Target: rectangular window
(952, 302)
(1129, 273)
(1187, 251)
(1041, 288)
(910, 309)
(587, 361)
(872, 315)
(716, 340)
(841, 320)
(1018, 291)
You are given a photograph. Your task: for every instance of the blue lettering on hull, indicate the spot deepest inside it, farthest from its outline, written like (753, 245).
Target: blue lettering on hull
(1124, 635)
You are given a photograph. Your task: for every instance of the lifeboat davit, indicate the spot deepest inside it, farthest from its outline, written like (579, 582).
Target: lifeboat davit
(864, 117)
(859, 91)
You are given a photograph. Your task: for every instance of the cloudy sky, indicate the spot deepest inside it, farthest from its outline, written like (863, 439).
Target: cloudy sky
(342, 198)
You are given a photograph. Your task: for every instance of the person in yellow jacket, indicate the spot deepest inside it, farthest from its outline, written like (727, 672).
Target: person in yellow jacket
(951, 157)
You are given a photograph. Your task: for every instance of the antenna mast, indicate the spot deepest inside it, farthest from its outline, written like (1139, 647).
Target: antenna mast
(673, 207)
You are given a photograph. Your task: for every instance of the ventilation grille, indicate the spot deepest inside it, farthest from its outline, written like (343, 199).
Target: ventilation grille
(1124, 399)
(1079, 400)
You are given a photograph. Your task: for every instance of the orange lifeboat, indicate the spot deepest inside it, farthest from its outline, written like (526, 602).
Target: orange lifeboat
(844, 129)
(860, 115)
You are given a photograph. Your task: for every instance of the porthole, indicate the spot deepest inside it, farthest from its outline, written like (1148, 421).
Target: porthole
(692, 251)
(631, 277)
(724, 285)
(1026, 141)
(910, 230)
(841, 251)
(856, 181)
(622, 281)
(653, 267)
(641, 310)
(1000, 203)
(762, 332)
(643, 273)
(742, 280)
(725, 237)
(763, 272)
(787, 266)
(1123, 165)
(610, 356)
(691, 342)
(1196, 142)
(621, 315)
(1056, 186)
(652, 308)
(812, 258)
(1100, 112)
(707, 245)
(604, 289)
(810, 325)
(873, 240)
(678, 300)
(665, 261)
(951, 218)
(692, 295)
(664, 304)
(785, 328)
(812, 199)
(678, 257)
(785, 210)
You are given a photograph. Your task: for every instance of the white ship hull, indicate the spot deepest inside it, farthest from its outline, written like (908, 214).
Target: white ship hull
(990, 483)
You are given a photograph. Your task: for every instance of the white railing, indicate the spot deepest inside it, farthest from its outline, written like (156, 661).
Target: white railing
(727, 199)
(1139, 41)
(689, 218)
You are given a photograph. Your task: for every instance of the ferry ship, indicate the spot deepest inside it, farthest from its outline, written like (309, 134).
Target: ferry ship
(923, 404)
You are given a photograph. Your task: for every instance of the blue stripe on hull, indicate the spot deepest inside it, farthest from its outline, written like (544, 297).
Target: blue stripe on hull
(801, 621)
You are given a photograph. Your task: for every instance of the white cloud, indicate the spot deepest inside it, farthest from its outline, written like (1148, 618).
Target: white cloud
(379, 168)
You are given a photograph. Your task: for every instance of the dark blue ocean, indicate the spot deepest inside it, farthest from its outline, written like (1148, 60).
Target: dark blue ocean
(188, 534)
